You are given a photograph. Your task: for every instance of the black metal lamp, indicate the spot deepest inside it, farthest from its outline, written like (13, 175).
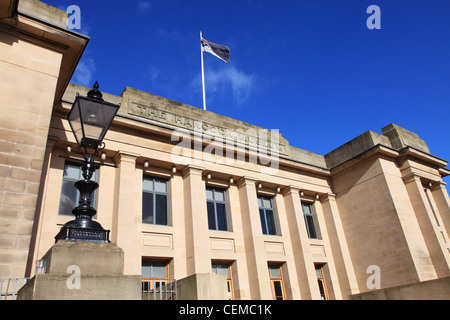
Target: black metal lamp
(90, 119)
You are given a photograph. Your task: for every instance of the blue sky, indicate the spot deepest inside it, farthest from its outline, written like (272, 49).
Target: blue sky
(309, 68)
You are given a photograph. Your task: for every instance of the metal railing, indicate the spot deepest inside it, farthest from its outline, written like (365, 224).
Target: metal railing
(10, 286)
(159, 289)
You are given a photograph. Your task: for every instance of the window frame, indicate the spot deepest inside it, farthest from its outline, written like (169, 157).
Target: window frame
(321, 282)
(310, 217)
(216, 202)
(263, 215)
(154, 194)
(279, 280)
(148, 283)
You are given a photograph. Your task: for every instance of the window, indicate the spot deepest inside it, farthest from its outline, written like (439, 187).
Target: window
(276, 282)
(309, 220)
(70, 196)
(225, 269)
(321, 282)
(154, 275)
(155, 201)
(217, 209)
(267, 215)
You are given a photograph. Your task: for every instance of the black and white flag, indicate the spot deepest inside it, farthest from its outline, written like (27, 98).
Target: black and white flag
(221, 52)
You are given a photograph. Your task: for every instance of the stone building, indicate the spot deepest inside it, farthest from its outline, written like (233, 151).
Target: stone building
(196, 192)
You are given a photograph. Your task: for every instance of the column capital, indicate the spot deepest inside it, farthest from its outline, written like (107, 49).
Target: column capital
(291, 189)
(412, 177)
(125, 156)
(327, 197)
(192, 169)
(243, 181)
(438, 185)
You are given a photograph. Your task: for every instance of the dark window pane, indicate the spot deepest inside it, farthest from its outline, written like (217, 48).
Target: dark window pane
(311, 227)
(270, 223)
(263, 221)
(221, 217)
(147, 208)
(278, 290)
(322, 289)
(211, 216)
(161, 209)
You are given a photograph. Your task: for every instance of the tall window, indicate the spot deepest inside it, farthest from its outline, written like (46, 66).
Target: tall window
(267, 215)
(321, 282)
(309, 220)
(155, 201)
(225, 269)
(276, 282)
(217, 209)
(70, 196)
(154, 275)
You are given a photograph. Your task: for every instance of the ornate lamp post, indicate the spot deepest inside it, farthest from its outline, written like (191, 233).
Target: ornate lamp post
(90, 119)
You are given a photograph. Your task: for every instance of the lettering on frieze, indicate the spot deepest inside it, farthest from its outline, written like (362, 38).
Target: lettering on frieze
(261, 139)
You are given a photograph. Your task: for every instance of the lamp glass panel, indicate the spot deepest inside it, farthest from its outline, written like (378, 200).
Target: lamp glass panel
(75, 122)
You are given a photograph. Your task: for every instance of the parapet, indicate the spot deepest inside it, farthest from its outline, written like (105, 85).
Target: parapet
(393, 137)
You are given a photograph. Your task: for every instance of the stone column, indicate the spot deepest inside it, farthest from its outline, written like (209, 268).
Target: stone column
(258, 271)
(334, 290)
(197, 240)
(300, 244)
(429, 225)
(127, 216)
(177, 212)
(442, 200)
(240, 277)
(289, 270)
(339, 247)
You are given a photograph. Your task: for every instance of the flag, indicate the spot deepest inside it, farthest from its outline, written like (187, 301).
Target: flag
(221, 52)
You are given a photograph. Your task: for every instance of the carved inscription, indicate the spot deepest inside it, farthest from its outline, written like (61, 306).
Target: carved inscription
(261, 139)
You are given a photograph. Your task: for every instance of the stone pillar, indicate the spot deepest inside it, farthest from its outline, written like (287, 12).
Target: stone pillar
(258, 272)
(429, 226)
(442, 200)
(290, 278)
(127, 216)
(339, 247)
(334, 290)
(300, 243)
(177, 212)
(197, 240)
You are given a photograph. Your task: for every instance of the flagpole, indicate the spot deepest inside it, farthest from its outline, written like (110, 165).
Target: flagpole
(203, 73)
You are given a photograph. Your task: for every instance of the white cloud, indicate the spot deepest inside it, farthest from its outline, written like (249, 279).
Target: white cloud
(144, 7)
(84, 72)
(229, 77)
